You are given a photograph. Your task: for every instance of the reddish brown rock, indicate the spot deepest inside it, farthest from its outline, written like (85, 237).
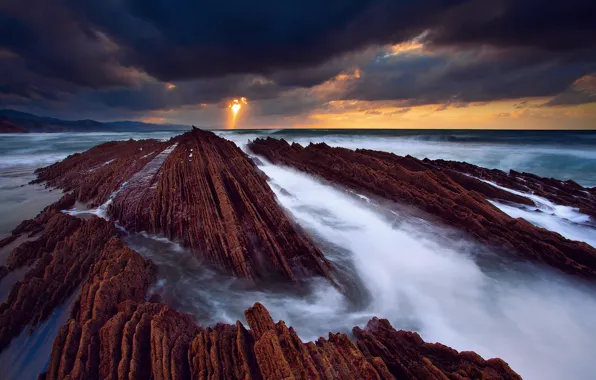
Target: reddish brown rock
(200, 190)
(273, 351)
(114, 334)
(151, 341)
(567, 193)
(97, 336)
(219, 203)
(458, 201)
(464, 179)
(210, 196)
(37, 224)
(407, 356)
(62, 256)
(100, 171)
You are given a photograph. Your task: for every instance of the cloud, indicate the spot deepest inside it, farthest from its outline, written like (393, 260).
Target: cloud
(117, 56)
(549, 25)
(582, 91)
(453, 77)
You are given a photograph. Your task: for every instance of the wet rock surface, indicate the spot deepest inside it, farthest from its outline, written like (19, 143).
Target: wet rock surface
(567, 193)
(97, 173)
(60, 260)
(200, 190)
(150, 340)
(210, 196)
(94, 341)
(114, 332)
(456, 198)
(33, 226)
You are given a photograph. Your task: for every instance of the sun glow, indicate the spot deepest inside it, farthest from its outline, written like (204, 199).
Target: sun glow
(235, 106)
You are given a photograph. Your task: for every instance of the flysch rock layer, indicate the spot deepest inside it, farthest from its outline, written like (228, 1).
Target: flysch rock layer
(59, 262)
(200, 190)
(566, 193)
(456, 198)
(96, 174)
(114, 333)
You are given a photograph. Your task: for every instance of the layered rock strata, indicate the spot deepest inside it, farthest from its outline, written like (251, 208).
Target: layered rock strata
(97, 173)
(113, 332)
(200, 190)
(567, 193)
(60, 260)
(151, 341)
(95, 343)
(32, 227)
(456, 198)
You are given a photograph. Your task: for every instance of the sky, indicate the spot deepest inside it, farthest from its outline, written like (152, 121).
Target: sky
(527, 64)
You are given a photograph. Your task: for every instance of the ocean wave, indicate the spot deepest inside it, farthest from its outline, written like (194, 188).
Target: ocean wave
(32, 160)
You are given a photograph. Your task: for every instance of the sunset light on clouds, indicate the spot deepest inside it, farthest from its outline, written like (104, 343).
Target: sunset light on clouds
(376, 65)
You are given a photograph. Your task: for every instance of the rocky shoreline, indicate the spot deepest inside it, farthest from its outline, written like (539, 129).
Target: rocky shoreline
(453, 193)
(202, 191)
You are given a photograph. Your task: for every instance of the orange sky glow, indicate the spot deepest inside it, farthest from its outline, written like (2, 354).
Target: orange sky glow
(524, 113)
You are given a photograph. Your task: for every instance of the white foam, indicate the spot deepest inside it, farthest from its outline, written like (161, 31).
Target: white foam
(566, 220)
(101, 210)
(543, 204)
(422, 279)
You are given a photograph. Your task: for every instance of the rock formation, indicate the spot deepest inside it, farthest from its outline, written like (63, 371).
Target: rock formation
(95, 343)
(152, 341)
(200, 190)
(113, 334)
(457, 199)
(60, 260)
(96, 174)
(205, 192)
(567, 193)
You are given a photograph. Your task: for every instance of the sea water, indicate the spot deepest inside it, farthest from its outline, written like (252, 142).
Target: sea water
(418, 274)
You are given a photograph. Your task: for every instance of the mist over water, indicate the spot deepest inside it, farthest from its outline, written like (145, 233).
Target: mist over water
(424, 278)
(392, 264)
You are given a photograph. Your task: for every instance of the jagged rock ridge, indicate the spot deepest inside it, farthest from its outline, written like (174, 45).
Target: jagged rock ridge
(114, 333)
(457, 199)
(200, 190)
(59, 261)
(567, 193)
(97, 173)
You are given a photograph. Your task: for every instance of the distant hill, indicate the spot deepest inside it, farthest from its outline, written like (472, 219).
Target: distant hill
(12, 121)
(7, 127)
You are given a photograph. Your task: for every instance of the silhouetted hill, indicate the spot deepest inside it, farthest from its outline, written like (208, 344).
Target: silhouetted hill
(12, 121)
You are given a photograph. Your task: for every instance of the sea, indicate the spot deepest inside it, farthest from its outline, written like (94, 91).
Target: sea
(420, 275)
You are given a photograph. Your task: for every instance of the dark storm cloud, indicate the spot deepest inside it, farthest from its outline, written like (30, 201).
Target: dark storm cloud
(185, 39)
(580, 92)
(173, 40)
(456, 77)
(554, 25)
(101, 50)
(50, 41)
